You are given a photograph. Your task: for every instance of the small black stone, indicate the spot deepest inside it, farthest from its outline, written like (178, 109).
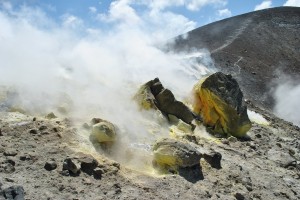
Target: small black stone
(50, 165)
(33, 131)
(214, 159)
(239, 196)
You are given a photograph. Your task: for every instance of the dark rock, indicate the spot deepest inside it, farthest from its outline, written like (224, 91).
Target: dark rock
(9, 180)
(88, 164)
(239, 196)
(152, 95)
(25, 157)
(1, 132)
(291, 164)
(219, 101)
(71, 166)
(156, 87)
(98, 172)
(191, 174)
(10, 152)
(14, 193)
(44, 133)
(50, 165)
(214, 159)
(169, 105)
(33, 131)
(10, 161)
(43, 127)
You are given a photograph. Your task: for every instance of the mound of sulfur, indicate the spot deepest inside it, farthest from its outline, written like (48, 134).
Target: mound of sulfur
(219, 101)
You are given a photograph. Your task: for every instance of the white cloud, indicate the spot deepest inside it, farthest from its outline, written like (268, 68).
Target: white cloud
(195, 5)
(295, 3)
(121, 11)
(263, 5)
(224, 13)
(92, 9)
(192, 5)
(157, 21)
(164, 25)
(71, 21)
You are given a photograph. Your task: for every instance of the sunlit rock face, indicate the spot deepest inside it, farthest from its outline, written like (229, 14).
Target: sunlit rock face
(219, 101)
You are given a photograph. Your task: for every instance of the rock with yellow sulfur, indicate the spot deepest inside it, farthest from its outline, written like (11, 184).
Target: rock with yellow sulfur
(104, 132)
(152, 95)
(172, 154)
(219, 101)
(144, 96)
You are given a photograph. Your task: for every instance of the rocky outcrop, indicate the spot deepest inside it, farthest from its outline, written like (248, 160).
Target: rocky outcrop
(152, 95)
(219, 101)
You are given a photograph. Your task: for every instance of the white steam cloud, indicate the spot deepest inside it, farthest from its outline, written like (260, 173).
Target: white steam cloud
(95, 72)
(287, 96)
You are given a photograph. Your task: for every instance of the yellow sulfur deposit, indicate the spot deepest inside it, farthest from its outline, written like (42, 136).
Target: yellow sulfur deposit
(218, 114)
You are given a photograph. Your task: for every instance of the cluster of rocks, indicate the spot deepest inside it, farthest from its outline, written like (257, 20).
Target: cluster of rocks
(218, 103)
(84, 163)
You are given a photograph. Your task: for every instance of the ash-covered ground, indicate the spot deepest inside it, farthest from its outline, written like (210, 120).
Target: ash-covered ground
(34, 148)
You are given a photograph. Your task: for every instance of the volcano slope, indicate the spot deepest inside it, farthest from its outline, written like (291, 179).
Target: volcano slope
(34, 151)
(257, 48)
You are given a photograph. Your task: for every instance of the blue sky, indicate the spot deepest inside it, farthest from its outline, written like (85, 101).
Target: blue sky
(100, 13)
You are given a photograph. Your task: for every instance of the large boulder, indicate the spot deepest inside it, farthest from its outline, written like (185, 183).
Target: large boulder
(104, 132)
(173, 154)
(219, 101)
(152, 95)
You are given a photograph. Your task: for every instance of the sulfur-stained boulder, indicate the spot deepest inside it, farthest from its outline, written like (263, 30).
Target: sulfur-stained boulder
(144, 96)
(172, 154)
(152, 95)
(104, 132)
(219, 101)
